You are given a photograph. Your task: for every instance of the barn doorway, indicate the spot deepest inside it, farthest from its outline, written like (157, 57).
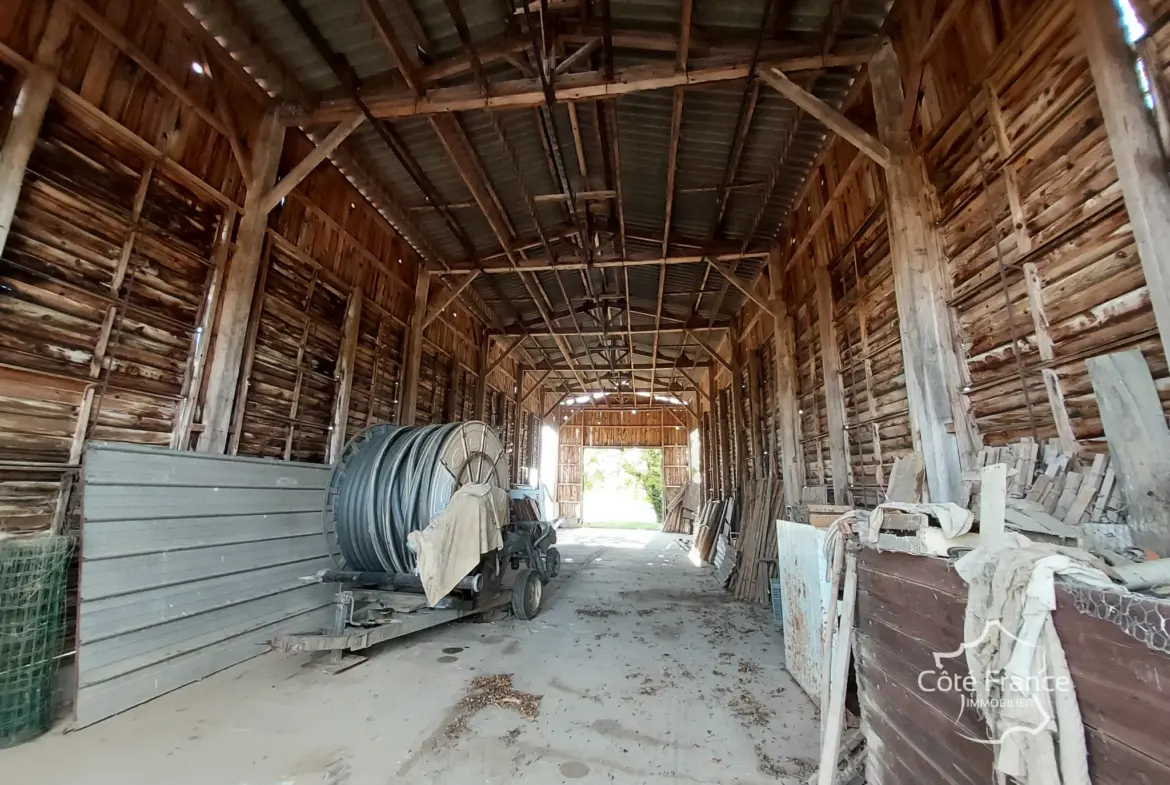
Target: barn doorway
(622, 487)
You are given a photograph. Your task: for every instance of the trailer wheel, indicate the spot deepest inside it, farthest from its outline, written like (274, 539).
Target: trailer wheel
(552, 562)
(527, 592)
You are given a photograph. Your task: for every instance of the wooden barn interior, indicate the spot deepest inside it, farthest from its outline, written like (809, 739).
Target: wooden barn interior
(886, 281)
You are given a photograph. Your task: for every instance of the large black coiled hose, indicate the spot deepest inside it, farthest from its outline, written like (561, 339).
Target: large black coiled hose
(391, 480)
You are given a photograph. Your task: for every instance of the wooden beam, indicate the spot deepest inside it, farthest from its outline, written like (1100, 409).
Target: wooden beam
(738, 420)
(787, 406)
(197, 364)
(1032, 281)
(447, 298)
(831, 368)
(833, 120)
(535, 386)
(571, 263)
(481, 367)
(390, 41)
(316, 157)
(240, 287)
(746, 287)
(694, 326)
(1137, 153)
(346, 357)
(503, 356)
(28, 112)
(585, 86)
(710, 350)
(517, 417)
(939, 424)
(1139, 443)
(408, 395)
(579, 56)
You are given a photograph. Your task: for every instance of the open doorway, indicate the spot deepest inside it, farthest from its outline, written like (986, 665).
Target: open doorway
(622, 487)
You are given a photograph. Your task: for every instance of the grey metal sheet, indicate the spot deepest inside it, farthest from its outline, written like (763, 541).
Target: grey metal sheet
(190, 563)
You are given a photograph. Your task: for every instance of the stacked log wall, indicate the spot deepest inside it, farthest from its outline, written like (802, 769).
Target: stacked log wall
(111, 272)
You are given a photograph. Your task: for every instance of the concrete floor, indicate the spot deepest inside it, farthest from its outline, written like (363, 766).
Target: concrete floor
(647, 672)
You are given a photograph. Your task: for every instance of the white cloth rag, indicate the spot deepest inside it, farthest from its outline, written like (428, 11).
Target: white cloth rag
(451, 546)
(1022, 681)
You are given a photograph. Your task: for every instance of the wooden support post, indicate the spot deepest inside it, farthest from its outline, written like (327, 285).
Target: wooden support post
(201, 342)
(1139, 443)
(455, 394)
(240, 287)
(481, 385)
(517, 418)
(347, 356)
(738, 421)
(787, 407)
(938, 417)
(834, 393)
(756, 419)
(29, 113)
(1137, 152)
(408, 399)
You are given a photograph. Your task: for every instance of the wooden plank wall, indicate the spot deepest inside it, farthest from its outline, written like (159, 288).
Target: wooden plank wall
(1008, 123)
(911, 607)
(1047, 189)
(109, 276)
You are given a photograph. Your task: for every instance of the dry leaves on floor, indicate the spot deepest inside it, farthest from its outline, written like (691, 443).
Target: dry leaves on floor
(492, 691)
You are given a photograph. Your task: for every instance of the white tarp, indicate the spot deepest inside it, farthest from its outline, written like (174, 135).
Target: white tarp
(451, 546)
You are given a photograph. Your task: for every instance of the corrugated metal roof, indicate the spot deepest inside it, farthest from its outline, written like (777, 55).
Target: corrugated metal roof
(780, 144)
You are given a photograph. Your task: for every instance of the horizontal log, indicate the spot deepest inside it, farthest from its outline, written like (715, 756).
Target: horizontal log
(588, 85)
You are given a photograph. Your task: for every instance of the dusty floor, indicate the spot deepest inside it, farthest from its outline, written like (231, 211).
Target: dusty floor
(646, 673)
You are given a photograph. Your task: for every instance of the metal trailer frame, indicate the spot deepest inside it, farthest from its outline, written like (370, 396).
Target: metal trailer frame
(408, 612)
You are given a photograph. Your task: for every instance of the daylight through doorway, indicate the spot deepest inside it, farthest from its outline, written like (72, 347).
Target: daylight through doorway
(622, 487)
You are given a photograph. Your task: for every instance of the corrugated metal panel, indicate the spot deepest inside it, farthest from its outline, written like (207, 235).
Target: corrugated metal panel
(189, 564)
(805, 597)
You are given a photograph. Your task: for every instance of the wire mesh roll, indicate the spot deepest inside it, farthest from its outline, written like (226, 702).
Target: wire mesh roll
(391, 480)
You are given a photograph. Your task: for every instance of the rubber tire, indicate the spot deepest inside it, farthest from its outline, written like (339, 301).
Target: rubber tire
(552, 562)
(527, 592)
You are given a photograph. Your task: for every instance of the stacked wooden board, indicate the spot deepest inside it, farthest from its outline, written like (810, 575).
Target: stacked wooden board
(1074, 489)
(757, 540)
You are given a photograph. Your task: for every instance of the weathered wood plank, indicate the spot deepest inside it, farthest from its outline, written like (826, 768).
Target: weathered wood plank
(1139, 443)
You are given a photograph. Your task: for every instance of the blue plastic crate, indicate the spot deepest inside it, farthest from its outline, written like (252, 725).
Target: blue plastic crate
(777, 607)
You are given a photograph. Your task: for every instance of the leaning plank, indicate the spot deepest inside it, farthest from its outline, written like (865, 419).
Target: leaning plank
(835, 719)
(906, 479)
(992, 498)
(1139, 443)
(1088, 490)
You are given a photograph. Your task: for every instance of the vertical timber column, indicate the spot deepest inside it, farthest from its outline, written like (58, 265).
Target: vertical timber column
(738, 421)
(240, 287)
(481, 385)
(787, 410)
(834, 394)
(408, 410)
(937, 415)
(347, 356)
(1137, 152)
(517, 422)
(455, 393)
(28, 113)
